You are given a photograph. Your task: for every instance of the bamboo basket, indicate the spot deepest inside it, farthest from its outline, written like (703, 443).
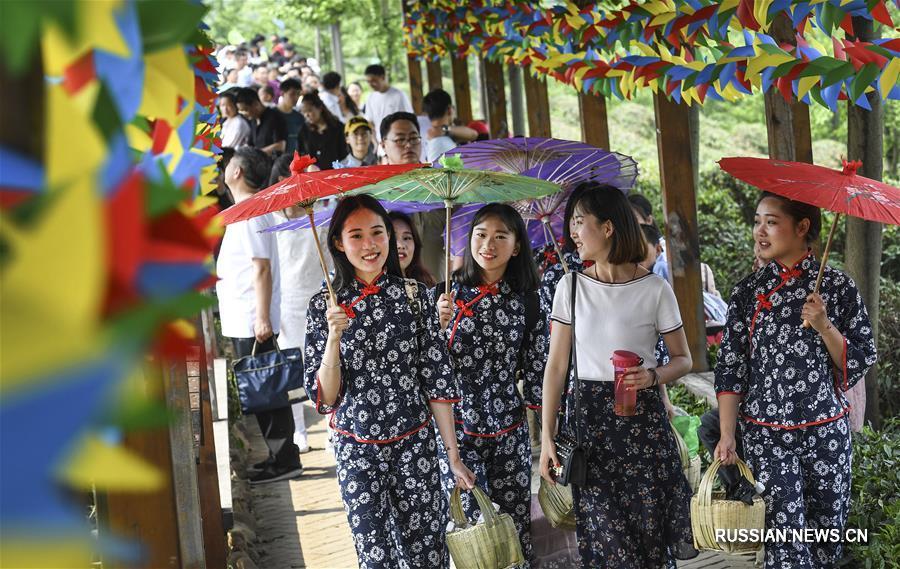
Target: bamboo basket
(558, 505)
(491, 544)
(690, 466)
(709, 511)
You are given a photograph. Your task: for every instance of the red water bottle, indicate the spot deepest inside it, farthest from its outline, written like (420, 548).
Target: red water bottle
(625, 401)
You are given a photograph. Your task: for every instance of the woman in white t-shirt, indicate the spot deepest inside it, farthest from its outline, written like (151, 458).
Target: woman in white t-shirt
(634, 510)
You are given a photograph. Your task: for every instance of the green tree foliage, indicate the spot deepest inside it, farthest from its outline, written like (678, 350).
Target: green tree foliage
(371, 30)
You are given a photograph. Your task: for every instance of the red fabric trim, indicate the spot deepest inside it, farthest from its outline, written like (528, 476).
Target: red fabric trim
(465, 308)
(535, 407)
(445, 400)
(492, 435)
(801, 425)
(367, 290)
(379, 441)
(319, 398)
(762, 300)
(718, 393)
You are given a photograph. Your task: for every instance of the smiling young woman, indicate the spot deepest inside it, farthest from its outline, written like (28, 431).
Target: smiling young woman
(786, 383)
(633, 510)
(378, 364)
(495, 331)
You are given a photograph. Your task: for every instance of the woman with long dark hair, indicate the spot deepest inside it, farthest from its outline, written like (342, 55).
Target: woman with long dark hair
(322, 135)
(378, 364)
(787, 383)
(633, 512)
(409, 248)
(495, 331)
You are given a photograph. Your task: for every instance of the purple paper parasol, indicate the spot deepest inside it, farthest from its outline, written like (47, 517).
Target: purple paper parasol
(323, 218)
(537, 234)
(562, 161)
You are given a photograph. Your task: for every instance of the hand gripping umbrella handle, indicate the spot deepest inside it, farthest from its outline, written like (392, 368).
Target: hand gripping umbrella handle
(312, 226)
(837, 218)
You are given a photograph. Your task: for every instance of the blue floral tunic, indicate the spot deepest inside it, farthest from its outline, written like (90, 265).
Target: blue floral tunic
(784, 371)
(388, 360)
(485, 336)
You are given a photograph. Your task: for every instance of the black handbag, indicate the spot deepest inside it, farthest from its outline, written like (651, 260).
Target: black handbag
(265, 380)
(571, 451)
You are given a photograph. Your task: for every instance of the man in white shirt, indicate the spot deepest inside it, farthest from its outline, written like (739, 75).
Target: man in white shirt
(384, 99)
(249, 302)
(330, 94)
(442, 135)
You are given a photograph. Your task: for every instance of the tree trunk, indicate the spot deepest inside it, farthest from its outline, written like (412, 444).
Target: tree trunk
(516, 102)
(337, 52)
(865, 139)
(319, 47)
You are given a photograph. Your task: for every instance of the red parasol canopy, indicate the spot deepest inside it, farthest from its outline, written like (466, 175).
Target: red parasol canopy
(304, 188)
(842, 191)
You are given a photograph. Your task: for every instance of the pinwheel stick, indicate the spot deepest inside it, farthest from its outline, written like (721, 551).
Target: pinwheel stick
(546, 222)
(312, 226)
(837, 218)
(448, 205)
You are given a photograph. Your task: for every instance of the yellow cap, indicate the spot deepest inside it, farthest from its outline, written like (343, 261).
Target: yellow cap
(355, 123)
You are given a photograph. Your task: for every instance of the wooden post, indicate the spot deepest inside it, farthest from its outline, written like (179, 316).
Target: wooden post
(184, 436)
(594, 126)
(462, 95)
(679, 196)
(865, 141)
(200, 365)
(496, 99)
(434, 74)
(538, 103)
(414, 67)
(787, 124)
(516, 99)
(415, 83)
(148, 518)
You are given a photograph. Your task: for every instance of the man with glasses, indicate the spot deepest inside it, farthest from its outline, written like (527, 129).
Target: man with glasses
(400, 138)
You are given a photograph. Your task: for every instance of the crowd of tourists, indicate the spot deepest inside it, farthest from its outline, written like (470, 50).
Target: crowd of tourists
(427, 391)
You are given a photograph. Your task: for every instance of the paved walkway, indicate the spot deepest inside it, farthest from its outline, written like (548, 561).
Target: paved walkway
(302, 524)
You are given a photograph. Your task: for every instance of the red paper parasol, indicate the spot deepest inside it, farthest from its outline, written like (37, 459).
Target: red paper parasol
(302, 189)
(842, 192)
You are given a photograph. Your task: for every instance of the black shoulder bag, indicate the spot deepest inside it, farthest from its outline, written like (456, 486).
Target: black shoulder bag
(572, 453)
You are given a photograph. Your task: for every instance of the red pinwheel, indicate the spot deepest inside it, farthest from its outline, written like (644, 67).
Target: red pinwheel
(841, 191)
(302, 189)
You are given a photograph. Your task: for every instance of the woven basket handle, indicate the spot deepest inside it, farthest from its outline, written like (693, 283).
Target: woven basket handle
(704, 492)
(683, 451)
(484, 504)
(456, 510)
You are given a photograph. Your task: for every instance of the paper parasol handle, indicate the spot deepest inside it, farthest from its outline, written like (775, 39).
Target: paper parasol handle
(837, 218)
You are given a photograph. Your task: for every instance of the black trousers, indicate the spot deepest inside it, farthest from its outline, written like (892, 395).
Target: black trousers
(709, 434)
(277, 426)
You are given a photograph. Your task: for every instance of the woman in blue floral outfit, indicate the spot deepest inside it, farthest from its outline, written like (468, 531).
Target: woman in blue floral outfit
(787, 382)
(494, 331)
(378, 364)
